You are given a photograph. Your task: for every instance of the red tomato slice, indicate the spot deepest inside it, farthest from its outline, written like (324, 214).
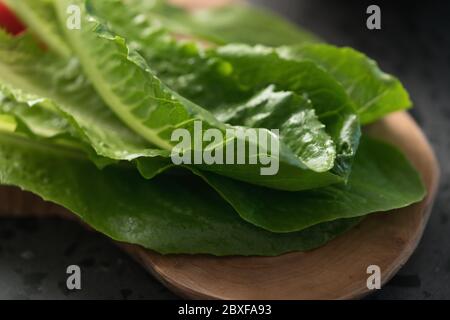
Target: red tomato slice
(9, 21)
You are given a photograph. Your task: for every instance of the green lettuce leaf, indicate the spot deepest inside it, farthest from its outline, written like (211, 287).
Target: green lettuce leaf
(210, 81)
(374, 93)
(129, 86)
(296, 90)
(226, 78)
(169, 214)
(24, 65)
(236, 22)
(8, 123)
(259, 66)
(37, 116)
(28, 68)
(40, 16)
(260, 206)
(382, 179)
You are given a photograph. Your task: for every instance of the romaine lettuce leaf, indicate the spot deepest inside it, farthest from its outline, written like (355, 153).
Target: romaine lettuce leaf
(37, 116)
(174, 214)
(259, 66)
(24, 65)
(129, 86)
(261, 206)
(236, 22)
(8, 123)
(27, 67)
(169, 214)
(382, 179)
(373, 92)
(127, 103)
(219, 85)
(40, 16)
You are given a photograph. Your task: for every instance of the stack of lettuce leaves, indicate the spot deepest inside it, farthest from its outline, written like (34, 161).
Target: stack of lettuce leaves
(86, 117)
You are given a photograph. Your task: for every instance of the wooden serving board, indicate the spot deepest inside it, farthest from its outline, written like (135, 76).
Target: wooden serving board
(337, 270)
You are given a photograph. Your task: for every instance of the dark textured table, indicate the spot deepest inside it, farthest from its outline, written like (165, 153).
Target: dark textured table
(414, 44)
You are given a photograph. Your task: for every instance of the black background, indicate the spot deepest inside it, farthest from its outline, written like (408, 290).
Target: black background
(414, 44)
